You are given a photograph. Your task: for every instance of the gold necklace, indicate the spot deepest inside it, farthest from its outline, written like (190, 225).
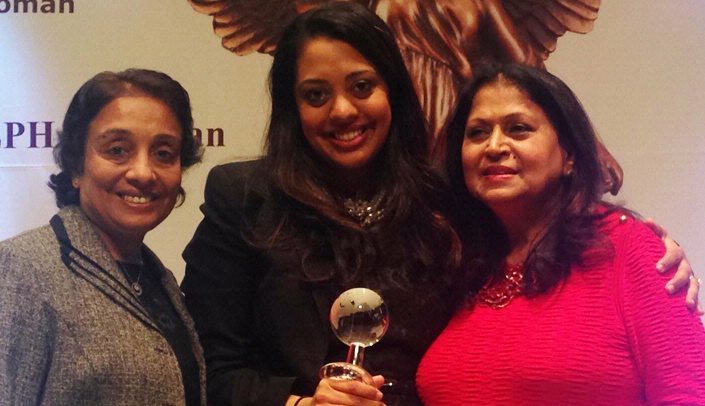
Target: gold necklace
(499, 294)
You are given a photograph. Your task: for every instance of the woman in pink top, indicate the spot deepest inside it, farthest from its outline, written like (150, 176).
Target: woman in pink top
(563, 309)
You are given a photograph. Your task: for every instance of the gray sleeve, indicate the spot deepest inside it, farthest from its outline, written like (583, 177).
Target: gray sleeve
(27, 334)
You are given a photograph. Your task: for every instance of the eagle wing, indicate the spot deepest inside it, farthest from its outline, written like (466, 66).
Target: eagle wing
(541, 22)
(247, 26)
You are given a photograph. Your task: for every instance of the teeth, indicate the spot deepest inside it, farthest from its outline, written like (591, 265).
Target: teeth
(348, 136)
(137, 199)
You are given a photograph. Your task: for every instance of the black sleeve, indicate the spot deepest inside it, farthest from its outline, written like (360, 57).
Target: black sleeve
(222, 274)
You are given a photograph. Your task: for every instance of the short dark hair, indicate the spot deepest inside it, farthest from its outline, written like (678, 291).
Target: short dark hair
(572, 231)
(92, 97)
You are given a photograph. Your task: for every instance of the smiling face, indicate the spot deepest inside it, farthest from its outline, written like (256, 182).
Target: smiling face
(132, 170)
(511, 156)
(343, 104)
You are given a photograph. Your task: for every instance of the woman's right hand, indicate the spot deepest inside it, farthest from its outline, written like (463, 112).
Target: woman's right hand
(347, 392)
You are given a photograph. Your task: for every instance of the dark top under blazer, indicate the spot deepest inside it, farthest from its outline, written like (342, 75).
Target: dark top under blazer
(77, 335)
(265, 332)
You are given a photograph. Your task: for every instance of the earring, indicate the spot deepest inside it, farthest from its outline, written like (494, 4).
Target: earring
(74, 182)
(568, 169)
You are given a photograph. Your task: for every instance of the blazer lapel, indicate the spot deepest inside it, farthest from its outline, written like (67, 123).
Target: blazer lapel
(176, 297)
(84, 253)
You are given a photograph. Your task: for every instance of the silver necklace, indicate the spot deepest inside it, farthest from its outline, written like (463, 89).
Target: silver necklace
(135, 285)
(365, 212)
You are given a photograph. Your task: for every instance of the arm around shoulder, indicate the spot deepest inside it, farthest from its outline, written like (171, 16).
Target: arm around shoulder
(667, 340)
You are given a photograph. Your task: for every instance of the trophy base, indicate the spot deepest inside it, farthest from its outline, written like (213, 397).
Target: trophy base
(341, 370)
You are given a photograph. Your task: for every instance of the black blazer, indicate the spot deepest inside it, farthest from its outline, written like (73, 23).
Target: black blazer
(264, 331)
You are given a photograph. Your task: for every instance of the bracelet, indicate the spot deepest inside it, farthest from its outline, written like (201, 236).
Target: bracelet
(299, 401)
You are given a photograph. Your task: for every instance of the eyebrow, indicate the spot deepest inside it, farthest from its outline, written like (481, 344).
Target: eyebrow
(511, 116)
(347, 77)
(114, 132)
(361, 72)
(312, 81)
(122, 133)
(167, 137)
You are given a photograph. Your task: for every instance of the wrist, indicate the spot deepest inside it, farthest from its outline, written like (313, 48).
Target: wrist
(299, 401)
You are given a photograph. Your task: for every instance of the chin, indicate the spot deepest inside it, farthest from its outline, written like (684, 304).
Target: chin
(142, 227)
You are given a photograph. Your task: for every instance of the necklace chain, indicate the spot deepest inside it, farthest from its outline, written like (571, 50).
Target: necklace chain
(500, 294)
(135, 285)
(365, 212)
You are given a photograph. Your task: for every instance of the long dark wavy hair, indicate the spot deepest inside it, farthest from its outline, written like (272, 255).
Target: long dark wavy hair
(91, 98)
(413, 235)
(573, 229)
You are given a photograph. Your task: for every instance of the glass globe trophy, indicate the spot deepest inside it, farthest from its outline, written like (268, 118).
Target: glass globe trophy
(359, 318)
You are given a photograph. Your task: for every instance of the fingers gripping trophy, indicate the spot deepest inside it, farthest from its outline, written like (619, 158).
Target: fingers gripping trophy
(359, 318)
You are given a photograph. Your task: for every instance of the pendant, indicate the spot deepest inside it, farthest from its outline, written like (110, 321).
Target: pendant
(137, 288)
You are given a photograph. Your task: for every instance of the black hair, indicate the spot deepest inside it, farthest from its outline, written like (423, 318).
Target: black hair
(314, 216)
(572, 229)
(87, 103)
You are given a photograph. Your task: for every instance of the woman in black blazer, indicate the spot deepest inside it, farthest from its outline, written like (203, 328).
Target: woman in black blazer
(277, 244)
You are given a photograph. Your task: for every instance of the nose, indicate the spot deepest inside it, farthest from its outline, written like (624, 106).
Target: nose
(141, 170)
(343, 110)
(497, 143)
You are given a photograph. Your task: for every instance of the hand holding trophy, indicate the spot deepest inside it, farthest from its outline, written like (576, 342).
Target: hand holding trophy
(359, 318)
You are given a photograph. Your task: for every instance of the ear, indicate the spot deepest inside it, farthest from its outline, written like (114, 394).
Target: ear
(568, 166)
(76, 181)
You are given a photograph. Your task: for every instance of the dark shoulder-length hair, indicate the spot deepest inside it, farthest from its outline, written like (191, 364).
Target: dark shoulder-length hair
(572, 230)
(402, 170)
(91, 98)
(297, 168)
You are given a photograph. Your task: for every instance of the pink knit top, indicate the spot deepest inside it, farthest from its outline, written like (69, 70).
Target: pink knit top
(610, 335)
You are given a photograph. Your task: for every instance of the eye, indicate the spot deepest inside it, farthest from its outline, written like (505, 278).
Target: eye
(116, 151)
(167, 155)
(475, 132)
(520, 128)
(362, 88)
(316, 97)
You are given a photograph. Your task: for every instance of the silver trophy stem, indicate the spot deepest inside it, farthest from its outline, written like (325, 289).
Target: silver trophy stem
(356, 354)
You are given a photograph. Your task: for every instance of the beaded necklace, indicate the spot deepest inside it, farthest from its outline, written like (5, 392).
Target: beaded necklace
(499, 294)
(365, 212)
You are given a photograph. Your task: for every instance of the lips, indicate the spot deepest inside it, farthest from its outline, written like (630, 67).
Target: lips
(499, 170)
(347, 135)
(137, 199)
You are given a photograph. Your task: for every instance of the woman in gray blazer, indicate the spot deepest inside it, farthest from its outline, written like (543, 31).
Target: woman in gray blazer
(88, 314)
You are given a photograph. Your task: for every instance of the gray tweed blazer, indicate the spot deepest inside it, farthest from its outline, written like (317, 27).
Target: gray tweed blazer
(71, 331)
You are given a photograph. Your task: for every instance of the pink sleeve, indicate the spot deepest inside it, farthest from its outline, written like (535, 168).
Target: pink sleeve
(667, 340)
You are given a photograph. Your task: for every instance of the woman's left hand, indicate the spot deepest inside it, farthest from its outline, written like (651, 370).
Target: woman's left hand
(675, 256)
